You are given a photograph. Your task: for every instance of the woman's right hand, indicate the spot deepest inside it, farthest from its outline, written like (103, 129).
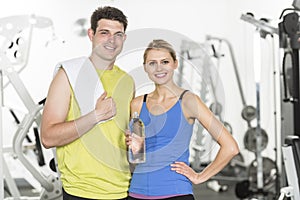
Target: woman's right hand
(128, 138)
(134, 142)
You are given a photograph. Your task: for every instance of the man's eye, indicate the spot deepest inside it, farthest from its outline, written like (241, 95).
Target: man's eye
(119, 35)
(165, 62)
(104, 32)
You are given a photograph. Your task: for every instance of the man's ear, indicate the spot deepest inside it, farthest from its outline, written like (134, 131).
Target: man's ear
(90, 33)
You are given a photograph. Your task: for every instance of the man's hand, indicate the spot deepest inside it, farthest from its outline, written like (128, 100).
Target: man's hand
(105, 108)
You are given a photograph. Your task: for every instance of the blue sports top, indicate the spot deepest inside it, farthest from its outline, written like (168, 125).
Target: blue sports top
(167, 140)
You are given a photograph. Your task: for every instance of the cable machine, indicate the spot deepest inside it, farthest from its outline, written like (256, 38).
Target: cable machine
(262, 178)
(289, 41)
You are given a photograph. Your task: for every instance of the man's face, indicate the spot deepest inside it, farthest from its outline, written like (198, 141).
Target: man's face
(107, 41)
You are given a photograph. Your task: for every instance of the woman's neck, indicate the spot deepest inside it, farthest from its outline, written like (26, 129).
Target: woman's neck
(166, 92)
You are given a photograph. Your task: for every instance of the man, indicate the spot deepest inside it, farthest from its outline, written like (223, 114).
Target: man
(87, 112)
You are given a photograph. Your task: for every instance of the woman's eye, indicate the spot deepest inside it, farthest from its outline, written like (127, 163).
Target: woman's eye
(165, 62)
(151, 64)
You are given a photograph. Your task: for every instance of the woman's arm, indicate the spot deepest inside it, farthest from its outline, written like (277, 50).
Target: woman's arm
(194, 108)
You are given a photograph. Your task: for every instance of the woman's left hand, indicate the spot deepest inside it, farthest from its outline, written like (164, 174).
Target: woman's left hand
(184, 169)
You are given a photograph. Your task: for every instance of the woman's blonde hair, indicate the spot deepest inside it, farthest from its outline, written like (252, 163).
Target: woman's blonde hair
(160, 44)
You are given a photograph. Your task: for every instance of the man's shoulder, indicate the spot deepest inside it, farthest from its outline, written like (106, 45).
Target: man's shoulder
(71, 66)
(122, 72)
(74, 60)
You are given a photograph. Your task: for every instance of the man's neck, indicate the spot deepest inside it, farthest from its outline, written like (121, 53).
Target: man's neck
(101, 64)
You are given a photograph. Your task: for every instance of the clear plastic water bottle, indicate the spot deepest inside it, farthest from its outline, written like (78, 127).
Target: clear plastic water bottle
(137, 152)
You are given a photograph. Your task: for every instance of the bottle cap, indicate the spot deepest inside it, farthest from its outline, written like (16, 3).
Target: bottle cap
(135, 115)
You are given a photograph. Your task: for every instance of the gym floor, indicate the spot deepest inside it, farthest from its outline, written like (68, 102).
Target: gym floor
(203, 192)
(206, 191)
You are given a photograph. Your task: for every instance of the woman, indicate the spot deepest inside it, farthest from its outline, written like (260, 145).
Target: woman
(169, 113)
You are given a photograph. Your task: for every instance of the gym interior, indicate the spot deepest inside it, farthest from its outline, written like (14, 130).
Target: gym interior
(240, 57)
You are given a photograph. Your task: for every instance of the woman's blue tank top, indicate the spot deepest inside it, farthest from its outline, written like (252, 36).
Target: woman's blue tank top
(167, 140)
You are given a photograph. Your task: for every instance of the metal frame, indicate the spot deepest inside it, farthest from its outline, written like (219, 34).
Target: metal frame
(10, 27)
(293, 188)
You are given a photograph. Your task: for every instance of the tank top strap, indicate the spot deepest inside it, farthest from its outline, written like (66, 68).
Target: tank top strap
(181, 96)
(145, 97)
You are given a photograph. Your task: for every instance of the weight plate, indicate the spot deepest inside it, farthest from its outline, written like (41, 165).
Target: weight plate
(235, 168)
(269, 173)
(251, 137)
(249, 113)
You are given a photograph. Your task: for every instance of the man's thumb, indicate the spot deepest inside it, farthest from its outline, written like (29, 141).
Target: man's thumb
(103, 95)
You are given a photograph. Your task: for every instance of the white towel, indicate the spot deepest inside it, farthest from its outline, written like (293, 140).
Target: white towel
(84, 80)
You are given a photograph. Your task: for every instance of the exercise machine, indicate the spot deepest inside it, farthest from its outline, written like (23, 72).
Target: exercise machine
(290, 105)
(291, 158)
(248, 183)
(289, 41)
(17, 34)
(262, 171)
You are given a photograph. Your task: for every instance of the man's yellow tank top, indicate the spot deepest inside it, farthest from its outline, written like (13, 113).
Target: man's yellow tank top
(95, 165)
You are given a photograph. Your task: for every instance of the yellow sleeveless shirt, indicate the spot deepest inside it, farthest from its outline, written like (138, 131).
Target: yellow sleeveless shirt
(95, 165)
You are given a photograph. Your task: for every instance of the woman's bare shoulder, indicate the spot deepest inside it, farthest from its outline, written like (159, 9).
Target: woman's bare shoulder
(136, 103)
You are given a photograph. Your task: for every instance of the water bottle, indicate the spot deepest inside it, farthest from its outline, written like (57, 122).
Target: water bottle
(137, 153)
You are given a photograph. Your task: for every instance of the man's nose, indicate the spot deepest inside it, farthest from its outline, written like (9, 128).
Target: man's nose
(111, 38)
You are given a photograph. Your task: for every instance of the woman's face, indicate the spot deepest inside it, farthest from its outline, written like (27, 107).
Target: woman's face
(160, 66)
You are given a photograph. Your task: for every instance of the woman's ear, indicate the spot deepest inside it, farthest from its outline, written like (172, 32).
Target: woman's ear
(175, 64)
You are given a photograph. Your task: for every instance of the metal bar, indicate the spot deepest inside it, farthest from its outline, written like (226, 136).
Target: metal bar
(257, 75)
(12, 186)
(260, 24)
(17, 146)
(23, 93)
(1, 136)
(236, 72)
(290, 169)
